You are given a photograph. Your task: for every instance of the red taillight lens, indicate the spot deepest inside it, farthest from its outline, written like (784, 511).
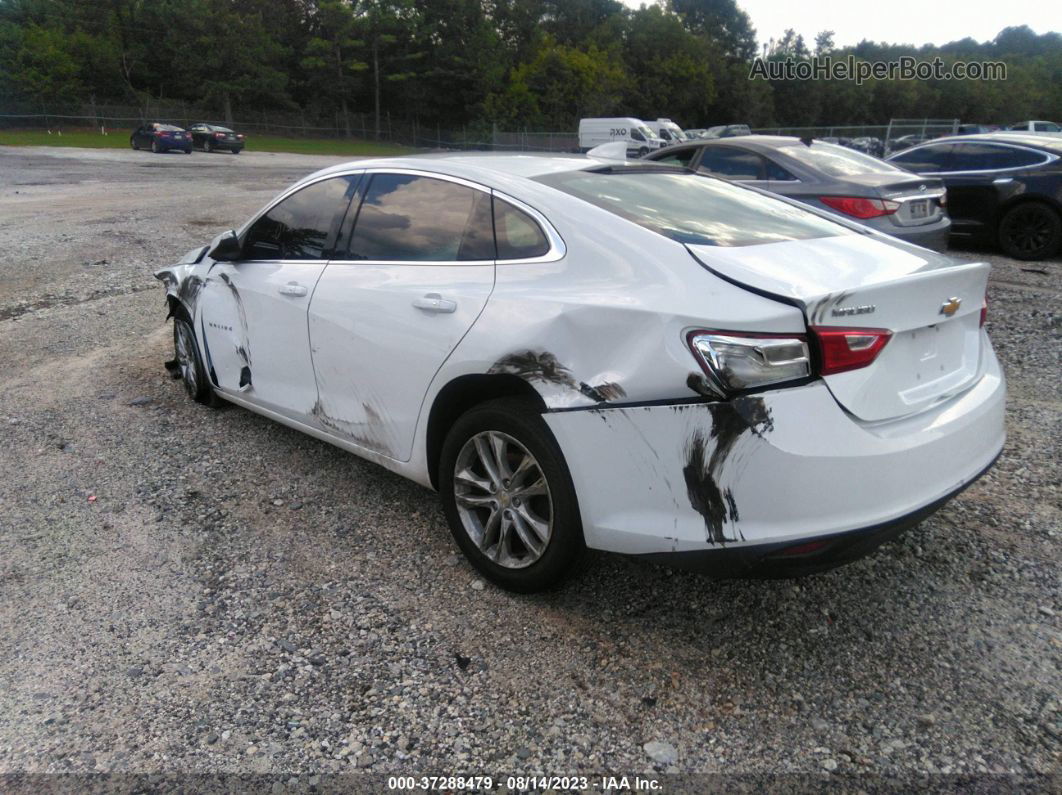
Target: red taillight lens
(219, 135)
(860, 208)
(844, 349)
(984, 310)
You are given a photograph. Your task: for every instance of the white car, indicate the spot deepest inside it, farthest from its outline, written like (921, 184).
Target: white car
(578, 353)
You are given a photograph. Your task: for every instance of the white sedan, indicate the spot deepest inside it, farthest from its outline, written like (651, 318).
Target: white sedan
(580, 354)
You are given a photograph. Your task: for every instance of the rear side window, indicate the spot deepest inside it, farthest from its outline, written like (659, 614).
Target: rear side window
(989, 157)
(732, 163)
(776, 173)
(680, 157)
(420, 219)
(518, 236)
(926, 159)
(298, 228)
(694, 209)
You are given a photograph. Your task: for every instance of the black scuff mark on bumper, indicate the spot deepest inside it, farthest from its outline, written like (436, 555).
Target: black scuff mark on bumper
(543, 366)
(703, 470)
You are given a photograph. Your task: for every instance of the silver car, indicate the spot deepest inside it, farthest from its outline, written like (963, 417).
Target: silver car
(833, 178)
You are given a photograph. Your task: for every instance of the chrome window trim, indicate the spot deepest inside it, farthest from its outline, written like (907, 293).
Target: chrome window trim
(1049, 157)
(290, 191)
(557, 248)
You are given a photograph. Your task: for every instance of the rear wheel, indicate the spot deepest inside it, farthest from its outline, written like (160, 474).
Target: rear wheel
(134, 144)
(207, 146)
(1031, 230)
(643, 151)
(509, 498)
(156, 148)
(190, 364)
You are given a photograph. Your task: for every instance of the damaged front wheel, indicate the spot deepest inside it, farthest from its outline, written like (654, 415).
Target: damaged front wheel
(190, 365)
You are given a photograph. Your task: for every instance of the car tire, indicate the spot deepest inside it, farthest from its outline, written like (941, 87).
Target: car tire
(1030, 230)
(643, 151)
(190, 366)
(207, 146)
(235, 151)
(490, 515)
(156, 148)
(134, 144)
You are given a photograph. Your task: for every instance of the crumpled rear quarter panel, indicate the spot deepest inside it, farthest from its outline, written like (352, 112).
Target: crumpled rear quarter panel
(764, 468)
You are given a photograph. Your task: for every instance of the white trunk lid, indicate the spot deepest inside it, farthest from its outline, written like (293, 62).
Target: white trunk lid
(857, 281)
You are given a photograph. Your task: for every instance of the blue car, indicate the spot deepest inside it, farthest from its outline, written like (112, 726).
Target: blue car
(161, 138)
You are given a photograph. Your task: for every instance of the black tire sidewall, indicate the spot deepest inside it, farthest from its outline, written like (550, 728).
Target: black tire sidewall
(519, 419)
(204, 391)
(1053, 245)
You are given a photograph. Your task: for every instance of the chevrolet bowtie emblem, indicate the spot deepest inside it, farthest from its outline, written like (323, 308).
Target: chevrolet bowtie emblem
(951, 306)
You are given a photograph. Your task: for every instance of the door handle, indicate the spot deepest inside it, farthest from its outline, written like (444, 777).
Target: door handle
(293, 288)
(433, 302)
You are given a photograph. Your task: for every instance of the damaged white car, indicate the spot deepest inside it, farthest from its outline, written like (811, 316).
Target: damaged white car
(621, 357)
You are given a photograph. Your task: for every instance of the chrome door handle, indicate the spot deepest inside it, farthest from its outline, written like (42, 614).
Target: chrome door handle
(433, 302)
(293, 288)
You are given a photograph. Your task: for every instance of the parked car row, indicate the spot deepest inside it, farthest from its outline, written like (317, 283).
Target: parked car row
(828, 177)
(160, 138)
(1001, 188)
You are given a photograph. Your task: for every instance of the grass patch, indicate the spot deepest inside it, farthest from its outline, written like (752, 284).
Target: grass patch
(255, 143)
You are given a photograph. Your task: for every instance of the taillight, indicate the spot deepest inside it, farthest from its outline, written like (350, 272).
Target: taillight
(219, 135)
(844, 349)
(858, 207)
(240, 137)
(984, 310)
(736, 360)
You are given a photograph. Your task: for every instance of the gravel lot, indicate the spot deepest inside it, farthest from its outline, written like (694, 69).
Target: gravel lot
(187, 590)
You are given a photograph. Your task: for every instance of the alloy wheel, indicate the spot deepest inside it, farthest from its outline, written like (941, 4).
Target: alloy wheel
(1028, 230)
(503, 499)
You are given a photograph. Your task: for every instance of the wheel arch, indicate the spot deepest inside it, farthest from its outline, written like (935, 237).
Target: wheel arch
(1024, 198)
(460, 395)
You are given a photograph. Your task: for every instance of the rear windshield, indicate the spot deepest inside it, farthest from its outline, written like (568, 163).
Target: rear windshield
(221, 129)
(837, 161)
(168, 128)
(692, 208)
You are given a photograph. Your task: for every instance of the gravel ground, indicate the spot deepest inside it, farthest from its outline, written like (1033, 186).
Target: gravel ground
(186, 590)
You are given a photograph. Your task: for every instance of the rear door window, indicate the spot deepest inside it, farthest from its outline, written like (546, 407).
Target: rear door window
(732, 163)
(405, 217)
(679, 157)
(300, 226)
(926, 159)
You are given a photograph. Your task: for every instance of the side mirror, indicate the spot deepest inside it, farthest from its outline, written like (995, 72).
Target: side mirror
(226, 247)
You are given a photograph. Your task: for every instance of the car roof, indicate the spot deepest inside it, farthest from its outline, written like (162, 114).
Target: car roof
(1035, 140)
(479, 166)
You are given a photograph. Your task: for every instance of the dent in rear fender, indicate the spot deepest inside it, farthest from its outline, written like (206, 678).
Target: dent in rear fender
(783, 465)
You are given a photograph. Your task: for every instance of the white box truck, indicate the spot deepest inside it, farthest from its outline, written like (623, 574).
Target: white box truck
(667, 130)
(639, 138)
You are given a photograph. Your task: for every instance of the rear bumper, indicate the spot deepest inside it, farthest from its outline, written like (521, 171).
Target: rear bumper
(934, 235)
(807, 556)
(760, 473)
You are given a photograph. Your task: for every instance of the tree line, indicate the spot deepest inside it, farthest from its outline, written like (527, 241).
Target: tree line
(516, 64)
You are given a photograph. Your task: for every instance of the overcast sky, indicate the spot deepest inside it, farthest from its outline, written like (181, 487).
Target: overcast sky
(897, 21)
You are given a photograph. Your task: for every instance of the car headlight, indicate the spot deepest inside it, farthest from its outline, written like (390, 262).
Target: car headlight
(736, 361)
